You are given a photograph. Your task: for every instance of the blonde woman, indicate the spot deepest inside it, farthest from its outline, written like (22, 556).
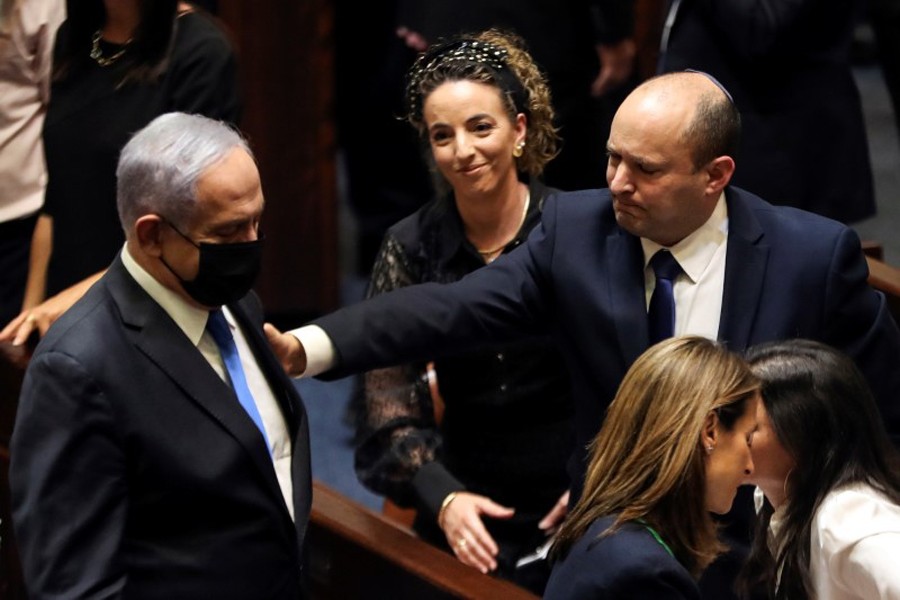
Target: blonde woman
(674, 447)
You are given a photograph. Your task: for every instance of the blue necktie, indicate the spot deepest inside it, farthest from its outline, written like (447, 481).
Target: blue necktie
(221, 333)
(661, 316)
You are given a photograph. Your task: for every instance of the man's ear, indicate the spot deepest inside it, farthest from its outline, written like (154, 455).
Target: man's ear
(719, 171)
(148, 233)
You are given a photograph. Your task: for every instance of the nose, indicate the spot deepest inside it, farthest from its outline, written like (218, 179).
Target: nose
(463, 147)
(748, 468)
(618, 178)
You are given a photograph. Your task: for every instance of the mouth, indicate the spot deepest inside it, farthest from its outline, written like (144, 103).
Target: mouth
(626, 206)
(470, 169)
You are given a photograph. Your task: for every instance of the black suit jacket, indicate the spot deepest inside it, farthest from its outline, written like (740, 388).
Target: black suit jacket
(787, 64)
(135, 471)
(788, 273)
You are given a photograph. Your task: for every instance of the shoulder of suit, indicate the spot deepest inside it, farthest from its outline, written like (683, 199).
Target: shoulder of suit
(790, 219)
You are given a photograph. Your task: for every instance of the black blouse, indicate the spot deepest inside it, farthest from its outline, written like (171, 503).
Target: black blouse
(90, 118)
(506, 432)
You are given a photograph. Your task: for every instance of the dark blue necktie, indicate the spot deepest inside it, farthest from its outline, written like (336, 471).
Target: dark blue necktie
(661, 316)
(221, 333)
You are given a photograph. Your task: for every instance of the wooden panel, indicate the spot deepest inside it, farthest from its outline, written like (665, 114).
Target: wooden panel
(354, 550)
(886, 278)
(285, 59)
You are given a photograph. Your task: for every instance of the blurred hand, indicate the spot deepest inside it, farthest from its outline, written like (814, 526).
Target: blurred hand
(39, 318)
(556, 515)
(287, 349)
(413, 39)
(18, 356)
(616, 65)
(466, 534)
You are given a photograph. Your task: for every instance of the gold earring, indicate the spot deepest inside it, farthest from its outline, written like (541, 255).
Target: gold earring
(517, 151)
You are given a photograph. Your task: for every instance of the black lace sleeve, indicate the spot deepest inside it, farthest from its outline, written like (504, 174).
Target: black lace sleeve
(398, 430)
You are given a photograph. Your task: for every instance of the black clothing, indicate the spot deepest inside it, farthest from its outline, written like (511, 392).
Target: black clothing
(507, 428)
(90, 118)
(787, 65)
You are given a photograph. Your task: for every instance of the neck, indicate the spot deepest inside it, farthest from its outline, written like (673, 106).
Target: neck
(122, 20)
(493, 223)
(774, 493)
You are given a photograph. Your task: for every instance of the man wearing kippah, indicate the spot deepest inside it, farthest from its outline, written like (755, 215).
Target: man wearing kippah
(740, 270)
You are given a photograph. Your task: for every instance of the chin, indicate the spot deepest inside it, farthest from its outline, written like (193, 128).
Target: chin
(722, 508)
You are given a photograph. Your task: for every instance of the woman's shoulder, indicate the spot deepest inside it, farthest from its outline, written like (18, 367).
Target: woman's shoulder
(628, 562)
(853, 512)
(196, 30)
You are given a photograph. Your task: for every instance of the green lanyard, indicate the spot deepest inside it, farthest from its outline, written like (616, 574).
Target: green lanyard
(656, 536)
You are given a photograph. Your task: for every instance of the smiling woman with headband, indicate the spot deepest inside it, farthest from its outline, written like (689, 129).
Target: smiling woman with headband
(489, 479)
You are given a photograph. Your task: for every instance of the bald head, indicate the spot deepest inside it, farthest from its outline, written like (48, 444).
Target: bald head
(670, 156)
(706, 119)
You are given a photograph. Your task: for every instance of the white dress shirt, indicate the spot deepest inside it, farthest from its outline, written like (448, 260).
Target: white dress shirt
(192, 321)
(698, 290)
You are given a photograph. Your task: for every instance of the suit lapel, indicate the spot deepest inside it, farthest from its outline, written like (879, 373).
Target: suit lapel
(163, 342)
(745, 269)
(291, 408)
(625, 272)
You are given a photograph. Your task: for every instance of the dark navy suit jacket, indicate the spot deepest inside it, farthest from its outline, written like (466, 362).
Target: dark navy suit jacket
(787, 65)
(135, 471)
(629, 563)
(788, 273)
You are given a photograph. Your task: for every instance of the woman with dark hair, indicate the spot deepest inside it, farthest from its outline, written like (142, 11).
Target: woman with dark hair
(117, 65)
(488, 480)
(829, 525)
(675, 446)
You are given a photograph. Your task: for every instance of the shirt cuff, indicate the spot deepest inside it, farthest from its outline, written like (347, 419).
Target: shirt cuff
(320, 352)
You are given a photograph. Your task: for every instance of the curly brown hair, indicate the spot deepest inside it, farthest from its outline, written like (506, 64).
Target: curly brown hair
(490, 57)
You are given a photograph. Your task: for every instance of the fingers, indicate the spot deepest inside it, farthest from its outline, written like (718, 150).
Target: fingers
(471, 549)
(616, 65)
(465, 531)
(18, 330)
(556, 514)
(287, 348)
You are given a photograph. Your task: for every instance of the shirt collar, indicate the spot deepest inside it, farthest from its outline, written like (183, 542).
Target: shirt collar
(696, 251)
(452, 237)
(190, 319)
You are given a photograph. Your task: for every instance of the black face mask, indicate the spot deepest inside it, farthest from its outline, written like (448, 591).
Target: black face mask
(226, 272)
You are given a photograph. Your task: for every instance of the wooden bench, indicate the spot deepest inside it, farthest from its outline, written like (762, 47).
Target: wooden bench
(358, 553)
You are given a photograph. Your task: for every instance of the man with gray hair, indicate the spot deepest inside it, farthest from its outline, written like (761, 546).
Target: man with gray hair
(159, 449)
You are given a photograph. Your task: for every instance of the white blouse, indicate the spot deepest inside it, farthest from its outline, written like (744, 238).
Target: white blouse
(854, 544)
